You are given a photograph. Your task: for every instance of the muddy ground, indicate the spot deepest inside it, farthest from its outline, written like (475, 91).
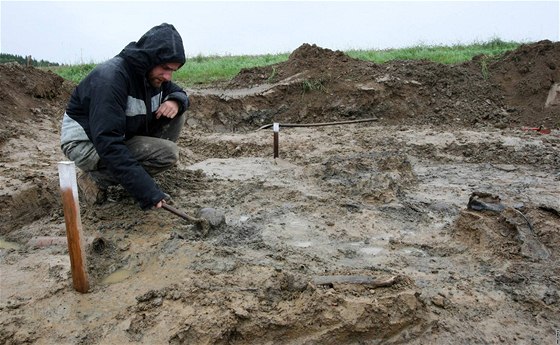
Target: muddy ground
(436, 222)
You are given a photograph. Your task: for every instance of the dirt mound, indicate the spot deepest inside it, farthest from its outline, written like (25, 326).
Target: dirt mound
(321, 85)
(245, 318)
(314, 61)
(33, 102)
(531, 233)
(525, 77)
(27, 93)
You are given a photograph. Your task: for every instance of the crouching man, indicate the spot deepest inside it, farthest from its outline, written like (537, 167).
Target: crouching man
(123, 119)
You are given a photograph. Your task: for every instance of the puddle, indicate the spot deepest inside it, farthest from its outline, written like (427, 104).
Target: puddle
(303, 244)
(414, 252)
(243, 169)
(8, 245)
(116, 277)
(371, 250)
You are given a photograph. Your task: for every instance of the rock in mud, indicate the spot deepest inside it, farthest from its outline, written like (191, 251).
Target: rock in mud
(215, 217)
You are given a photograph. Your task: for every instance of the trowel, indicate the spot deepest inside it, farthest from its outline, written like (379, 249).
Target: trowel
(209, 218)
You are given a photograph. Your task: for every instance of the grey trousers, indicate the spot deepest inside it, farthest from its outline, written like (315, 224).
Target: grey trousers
(156, 153)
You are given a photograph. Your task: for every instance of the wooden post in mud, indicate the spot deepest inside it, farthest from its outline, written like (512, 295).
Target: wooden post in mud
(70, 203)
(276, 130)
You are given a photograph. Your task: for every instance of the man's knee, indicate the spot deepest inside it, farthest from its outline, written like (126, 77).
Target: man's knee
(162, 159)
(82, 153)
(170, 155)
(154, 154)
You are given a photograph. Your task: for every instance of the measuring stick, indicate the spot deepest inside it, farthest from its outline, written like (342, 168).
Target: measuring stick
(69, 192)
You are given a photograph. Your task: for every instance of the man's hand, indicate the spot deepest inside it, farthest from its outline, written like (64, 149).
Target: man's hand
(160, 203)
(168, 109)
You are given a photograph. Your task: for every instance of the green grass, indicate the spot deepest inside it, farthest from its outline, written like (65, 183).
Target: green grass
(442, 54)
(207, 69)
(74, 73)
(202, 70)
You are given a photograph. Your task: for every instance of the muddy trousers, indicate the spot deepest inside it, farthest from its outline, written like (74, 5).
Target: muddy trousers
(156, 153)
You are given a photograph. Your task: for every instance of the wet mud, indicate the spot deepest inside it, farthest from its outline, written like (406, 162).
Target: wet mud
(437, 223)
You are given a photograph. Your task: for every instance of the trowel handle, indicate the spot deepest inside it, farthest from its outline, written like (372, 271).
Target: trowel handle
(179, 213)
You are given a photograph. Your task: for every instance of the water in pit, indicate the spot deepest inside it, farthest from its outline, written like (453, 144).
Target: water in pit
(116, 277)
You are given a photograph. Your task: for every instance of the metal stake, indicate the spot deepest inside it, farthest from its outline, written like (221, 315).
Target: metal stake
(276, 129)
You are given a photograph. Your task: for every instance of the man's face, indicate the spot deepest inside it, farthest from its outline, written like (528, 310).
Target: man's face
(162, 73)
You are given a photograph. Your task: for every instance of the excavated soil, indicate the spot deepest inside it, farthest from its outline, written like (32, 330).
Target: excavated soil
(435, 222)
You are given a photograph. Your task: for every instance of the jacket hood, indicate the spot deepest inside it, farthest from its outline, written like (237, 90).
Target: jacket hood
(161, 44)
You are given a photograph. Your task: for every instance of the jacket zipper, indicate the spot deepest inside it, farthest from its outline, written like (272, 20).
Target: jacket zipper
(148, 102)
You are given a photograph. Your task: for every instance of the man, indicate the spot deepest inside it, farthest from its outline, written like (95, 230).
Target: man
(123, 119)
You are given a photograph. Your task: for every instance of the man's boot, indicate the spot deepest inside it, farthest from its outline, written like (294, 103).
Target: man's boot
(92, 192)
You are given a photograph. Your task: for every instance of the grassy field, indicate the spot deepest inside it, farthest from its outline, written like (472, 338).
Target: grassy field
(202, 70)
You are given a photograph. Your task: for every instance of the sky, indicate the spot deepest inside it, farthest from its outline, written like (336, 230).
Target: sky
(73, 32)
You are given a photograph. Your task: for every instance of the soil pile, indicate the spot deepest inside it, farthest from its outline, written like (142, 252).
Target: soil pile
(439, 223)
(321, 85)
(28, 93)
(32, 104)
(525, 77)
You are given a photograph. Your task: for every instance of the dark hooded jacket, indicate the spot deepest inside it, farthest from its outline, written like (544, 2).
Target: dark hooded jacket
(115, 102)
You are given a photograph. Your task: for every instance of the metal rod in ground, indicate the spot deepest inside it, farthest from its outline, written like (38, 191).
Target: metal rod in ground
(73, 220)
(276, 129)
(320, 123)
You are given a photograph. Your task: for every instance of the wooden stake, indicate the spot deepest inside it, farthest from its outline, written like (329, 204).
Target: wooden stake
(276, 129)
(69, 193)
(352, 279)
